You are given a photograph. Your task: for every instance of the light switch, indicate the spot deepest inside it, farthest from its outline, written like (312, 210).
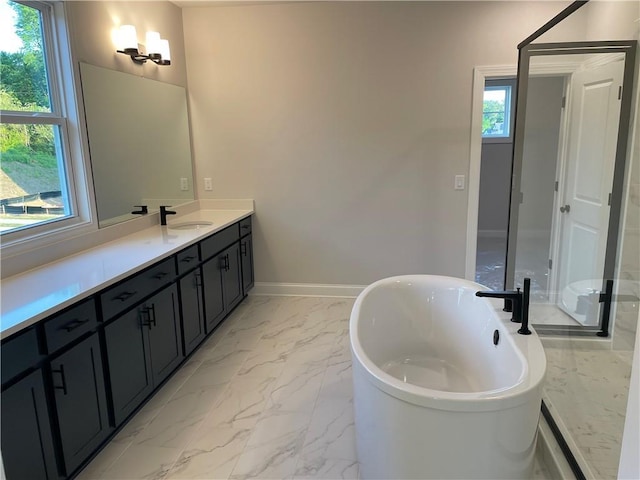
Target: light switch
(459, 182)
(184, 184)
(208, 184)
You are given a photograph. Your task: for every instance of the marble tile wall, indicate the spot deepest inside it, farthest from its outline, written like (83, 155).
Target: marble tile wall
(626, 320)
(268, 395)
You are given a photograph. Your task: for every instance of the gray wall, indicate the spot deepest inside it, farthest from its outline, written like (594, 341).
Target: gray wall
(540, 156)
(347, 123)
(495, 189)
(92, 24)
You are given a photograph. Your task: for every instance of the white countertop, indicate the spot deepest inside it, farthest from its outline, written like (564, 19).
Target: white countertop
(34, 295)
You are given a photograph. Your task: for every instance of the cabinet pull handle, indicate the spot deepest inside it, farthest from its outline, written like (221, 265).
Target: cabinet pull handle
(197, 276)
(188, 259)
(148, 321)
(245, 227)
(226, 263)
(153, 314)
(243, 248)
(160, 275)
(73, 324)
(124, 295)
(63, 387)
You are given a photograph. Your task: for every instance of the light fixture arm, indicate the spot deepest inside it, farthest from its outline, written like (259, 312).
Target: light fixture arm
(141, 58)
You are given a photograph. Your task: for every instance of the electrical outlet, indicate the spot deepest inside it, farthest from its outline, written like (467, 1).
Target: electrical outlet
(184, 184)
(208, 184)
(459, 182)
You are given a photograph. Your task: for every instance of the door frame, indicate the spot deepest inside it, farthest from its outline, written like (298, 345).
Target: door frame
(480, 75)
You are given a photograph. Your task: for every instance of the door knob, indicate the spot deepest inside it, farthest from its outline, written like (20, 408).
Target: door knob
(565, 208)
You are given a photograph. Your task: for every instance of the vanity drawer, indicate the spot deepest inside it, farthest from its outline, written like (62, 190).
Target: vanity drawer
(19, 353)
(134, 289)
(219, 241)
(245, 226)
(66, 327)
(188, 259)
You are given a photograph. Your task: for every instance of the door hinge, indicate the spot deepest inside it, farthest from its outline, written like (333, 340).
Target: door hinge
(609, 202)
(620, 92)
(555, 187)
(550, 264)
(564, 102)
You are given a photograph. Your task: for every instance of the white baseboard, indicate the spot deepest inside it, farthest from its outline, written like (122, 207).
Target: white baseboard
(306, 290)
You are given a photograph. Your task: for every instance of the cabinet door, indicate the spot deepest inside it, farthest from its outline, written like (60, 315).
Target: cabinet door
(246, 258)
(232, 277)
(212, 285)
(27, 443)
(128, 359)
(80, 401)
(192, 310)
(165, 334)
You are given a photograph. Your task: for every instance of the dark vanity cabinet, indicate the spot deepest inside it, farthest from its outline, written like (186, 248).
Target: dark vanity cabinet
(222, 277)
(26, 438)
(246, 254)
(71, 380)
(80, 401)
(144, 344)
(77, 381)
(191, 298)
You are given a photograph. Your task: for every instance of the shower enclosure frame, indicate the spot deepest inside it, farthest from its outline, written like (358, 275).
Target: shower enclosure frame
(528, 50)
(525, 50)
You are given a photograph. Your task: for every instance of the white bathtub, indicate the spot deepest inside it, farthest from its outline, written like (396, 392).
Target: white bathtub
(433, 396)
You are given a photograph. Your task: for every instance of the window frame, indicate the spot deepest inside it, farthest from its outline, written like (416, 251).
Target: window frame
(66, 115)
(496, 83)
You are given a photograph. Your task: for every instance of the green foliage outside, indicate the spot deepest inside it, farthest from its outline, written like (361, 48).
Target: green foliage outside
(23, 87)
(492, 115)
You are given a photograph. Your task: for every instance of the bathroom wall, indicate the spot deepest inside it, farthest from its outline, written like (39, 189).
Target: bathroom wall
(91, 25)
(539, 158)
(495, 183)
(346, 122)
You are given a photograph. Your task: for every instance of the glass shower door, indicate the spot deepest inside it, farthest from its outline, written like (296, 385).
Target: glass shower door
(567, 183)
(567, 196)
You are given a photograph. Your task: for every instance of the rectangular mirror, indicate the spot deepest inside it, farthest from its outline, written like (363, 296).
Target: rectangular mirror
(138, 132)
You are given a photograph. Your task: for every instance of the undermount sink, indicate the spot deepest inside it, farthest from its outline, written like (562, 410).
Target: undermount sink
(190, 225)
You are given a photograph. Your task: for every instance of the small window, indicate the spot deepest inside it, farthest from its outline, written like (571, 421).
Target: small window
(35, 182)
(496, 109)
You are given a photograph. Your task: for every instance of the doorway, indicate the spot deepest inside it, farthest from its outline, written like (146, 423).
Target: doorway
(498, 108)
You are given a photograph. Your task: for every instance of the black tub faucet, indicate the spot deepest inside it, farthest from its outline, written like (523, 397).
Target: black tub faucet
(515, 301)
(164, 212)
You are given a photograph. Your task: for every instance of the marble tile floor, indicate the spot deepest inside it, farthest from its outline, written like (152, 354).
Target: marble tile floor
(490, 265)
(268, 395)
(586, 389)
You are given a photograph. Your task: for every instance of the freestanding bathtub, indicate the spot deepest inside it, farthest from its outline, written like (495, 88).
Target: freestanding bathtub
(437, 392)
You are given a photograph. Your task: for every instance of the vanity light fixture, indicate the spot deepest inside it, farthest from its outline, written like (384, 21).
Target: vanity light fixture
(157, 48)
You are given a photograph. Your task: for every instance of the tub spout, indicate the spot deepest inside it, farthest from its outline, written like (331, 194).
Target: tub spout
(515, 301)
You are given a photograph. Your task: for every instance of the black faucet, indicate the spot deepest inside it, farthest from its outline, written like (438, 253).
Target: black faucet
(164, 212)
(515, 301)
(143, 210)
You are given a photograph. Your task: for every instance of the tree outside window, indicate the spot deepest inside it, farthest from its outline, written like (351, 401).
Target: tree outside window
(33, 184)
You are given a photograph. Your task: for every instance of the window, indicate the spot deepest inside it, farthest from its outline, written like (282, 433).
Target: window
(496, 109)
(37, 193)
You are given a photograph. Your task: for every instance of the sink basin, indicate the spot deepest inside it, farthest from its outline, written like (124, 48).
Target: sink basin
(190, 225)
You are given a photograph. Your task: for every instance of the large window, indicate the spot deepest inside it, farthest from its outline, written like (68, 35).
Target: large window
(497, 106)
(36, 188)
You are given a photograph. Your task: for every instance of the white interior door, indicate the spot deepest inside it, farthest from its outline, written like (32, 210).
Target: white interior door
(594, 117)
